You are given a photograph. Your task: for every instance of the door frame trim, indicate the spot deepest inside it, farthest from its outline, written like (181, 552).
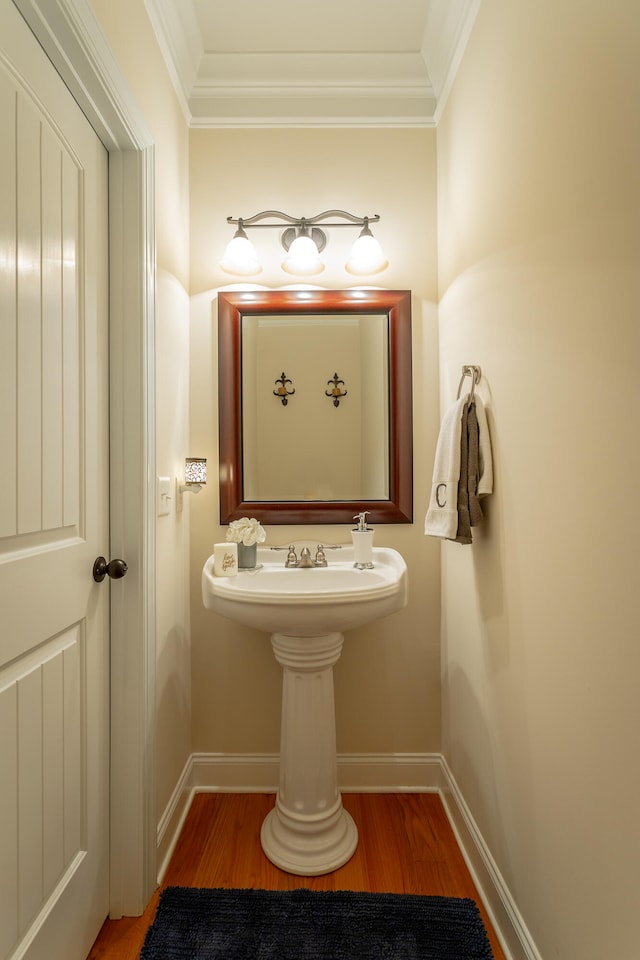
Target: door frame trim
(72, 38)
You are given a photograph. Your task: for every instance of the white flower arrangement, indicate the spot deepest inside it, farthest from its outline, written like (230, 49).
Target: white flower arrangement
(246, 531)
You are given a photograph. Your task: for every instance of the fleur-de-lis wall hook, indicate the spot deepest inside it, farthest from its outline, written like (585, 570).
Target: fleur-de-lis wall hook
(282, 393)
(336, 393)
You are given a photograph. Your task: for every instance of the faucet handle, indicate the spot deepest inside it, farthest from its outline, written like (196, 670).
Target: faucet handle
(292, 557)
(320, 558)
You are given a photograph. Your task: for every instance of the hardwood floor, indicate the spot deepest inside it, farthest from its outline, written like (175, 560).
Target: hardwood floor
(406, 846)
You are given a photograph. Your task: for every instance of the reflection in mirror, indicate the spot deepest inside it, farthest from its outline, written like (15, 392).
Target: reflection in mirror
(315, 405)
(329, 441)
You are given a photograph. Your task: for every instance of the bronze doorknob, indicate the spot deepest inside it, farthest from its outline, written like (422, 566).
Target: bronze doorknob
(115, 569)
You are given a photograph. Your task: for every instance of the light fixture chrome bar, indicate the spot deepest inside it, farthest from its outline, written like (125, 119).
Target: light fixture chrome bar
(318, 221)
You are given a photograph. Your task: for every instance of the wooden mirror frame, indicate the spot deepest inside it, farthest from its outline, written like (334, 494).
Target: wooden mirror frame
(396, 304)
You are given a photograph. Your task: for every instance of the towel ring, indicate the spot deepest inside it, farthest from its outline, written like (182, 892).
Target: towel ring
(473, 371)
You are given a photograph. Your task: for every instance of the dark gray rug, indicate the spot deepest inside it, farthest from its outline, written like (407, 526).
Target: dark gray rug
(204, 924)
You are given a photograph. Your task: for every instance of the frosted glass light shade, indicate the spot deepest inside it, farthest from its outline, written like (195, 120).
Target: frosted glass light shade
(366, 257)
(240, 257)
(303, 258)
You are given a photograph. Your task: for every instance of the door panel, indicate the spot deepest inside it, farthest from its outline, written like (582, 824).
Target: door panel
(54, 621)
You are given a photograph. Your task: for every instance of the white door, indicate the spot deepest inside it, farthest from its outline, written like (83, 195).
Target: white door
(54, 619)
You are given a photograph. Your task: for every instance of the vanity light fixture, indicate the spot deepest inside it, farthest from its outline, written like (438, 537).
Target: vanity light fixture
(303, 253)
(195, 477)
(304, 240)
(240, 257)
(366, 254)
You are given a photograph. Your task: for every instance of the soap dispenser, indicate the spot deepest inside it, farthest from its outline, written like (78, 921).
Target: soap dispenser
(362, 537)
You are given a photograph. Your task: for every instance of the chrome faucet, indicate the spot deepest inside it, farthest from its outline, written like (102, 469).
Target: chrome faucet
(306, 561)
(305, 558)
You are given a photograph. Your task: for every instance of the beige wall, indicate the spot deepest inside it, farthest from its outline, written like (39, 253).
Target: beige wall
(239, 173)
(388, 679)
(539, 252)
(133, 43)
(131, 38)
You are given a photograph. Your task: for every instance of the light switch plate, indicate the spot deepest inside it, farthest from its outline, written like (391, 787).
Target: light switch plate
(164, 496)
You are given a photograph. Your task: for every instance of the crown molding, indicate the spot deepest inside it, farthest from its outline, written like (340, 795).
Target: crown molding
(180, 45)
(326, 122)
(445, 42)
(244, 90)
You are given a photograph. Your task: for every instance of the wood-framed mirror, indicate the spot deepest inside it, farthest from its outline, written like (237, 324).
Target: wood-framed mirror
(291, 454)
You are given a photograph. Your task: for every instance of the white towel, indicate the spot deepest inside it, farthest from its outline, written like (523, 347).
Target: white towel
(442, 514)
(485, 460)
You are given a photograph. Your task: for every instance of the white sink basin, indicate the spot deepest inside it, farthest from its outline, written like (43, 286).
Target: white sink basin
(309, 602)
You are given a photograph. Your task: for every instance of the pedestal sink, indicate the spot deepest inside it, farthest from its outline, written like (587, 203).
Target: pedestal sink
(306, 611)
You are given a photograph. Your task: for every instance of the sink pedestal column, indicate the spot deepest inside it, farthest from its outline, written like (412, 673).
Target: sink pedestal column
(308, 832)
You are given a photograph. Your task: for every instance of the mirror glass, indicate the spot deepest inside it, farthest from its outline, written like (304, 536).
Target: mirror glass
(315, 405)
(328, 421)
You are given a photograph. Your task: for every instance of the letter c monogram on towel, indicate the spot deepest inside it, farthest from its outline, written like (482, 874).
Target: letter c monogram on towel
(441, 486)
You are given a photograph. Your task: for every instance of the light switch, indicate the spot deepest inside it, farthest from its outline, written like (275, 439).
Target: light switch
(164, 496)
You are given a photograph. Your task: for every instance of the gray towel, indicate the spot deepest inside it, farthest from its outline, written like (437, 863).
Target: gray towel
(463, 534)
(473, 472)
(485, 461)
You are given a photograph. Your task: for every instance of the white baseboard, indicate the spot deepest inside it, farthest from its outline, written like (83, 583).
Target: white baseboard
(506, 919)
(172, 820)
(368, 772)
(361, 773)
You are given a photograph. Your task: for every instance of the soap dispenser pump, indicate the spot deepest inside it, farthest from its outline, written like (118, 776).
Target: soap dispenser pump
(362, 537)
